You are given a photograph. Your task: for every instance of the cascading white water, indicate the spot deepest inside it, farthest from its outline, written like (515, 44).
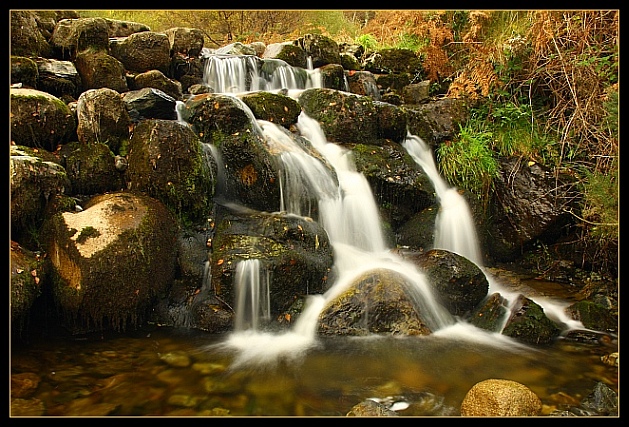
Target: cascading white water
(454, 227)
(455, 231)
(251, 284)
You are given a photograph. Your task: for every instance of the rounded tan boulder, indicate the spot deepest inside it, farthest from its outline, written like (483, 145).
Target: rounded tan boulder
(500, 398)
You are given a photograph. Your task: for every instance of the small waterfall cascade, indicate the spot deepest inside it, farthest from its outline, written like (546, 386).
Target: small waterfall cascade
(455, 231)
(226, 73)
(454, 227)
(251, 285)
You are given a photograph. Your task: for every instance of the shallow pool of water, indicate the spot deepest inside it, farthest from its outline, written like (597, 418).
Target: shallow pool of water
(179, 372)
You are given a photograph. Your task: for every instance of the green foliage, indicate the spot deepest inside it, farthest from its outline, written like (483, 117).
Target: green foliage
(469, 161)
(600, 192)
(367, 41)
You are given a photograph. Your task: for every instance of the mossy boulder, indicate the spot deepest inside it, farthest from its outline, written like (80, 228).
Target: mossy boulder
(376, 302)
(333, 76)
(28, 273)
(322, 49)
(34, 179)
(490, 314)
(167, 161)
(250, 170)
(72, 36)
(91, 168)
(273, 107)
(26, 38)
(344, 117)
(39, 119)
(418, 232)
(400, 186)
(150, 103)
(185, 41)
(393, 61)
(437, 121)
(103, 118)
(593, 316)
(143, 51)
(158, 80)
(111, 260)
(529, 324)
(460, 284)
(293, 250)
(287, 52)
(98, 69)
(24, 70)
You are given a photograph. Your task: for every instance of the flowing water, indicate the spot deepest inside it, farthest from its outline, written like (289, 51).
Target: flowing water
(253, 371)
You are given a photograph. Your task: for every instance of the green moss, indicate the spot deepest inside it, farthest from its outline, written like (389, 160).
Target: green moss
(87, 233)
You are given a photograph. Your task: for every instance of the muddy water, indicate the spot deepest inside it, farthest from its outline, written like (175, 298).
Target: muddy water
(177, 372)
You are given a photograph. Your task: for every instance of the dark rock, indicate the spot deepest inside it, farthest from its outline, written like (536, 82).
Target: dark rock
(273, 107)
(24, 70)
(103, 117)
(185, 41)
(168, 162)
(393, 60)
(101, 70)
(333, 77)
(491, 314)
(418, 232)
(149, 103)
(602, 400)
(288, 52)
(593, 316)
(460, 284)
(322, 49)
(59, 78)
(293, 250)
(26, 38)
(376, 302)
(91, 168)
(529, 324)
(39, 119)
(364, 83)
(437, 121)
(416, 93)
(156, 79)
(28, 274)
(73, 36)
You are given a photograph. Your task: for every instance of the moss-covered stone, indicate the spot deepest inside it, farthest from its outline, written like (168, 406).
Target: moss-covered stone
(167, 161)
(39, 119)
(91, 168)
(376, 302)
(491, 314)
(273, 107)
(111, 278)
(294, 251)
(28, 272)
(24, 70)
(593, 316)
(98, 69)
(287, 52)
(529, 324)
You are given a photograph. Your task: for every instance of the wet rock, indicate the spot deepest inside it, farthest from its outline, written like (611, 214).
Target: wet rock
(184, 40)
(344, 117)
(144, 51)
(39, 119)
(101, 70)
(371, 408)
(322, 49)
(376, 302)
(602, 400)
(529, 324)
(156, 79)
(500, 398)
(112, 260)
(363, 83)
(222, 121)
(176, 359)
(287, 52)
(236, 48)
(103, 117)
(333, 76)
(416, 93)
(188, 71)
(24, 71)
(593, 316)
(524, 208)
(349, 62)
(91, 168)
(72, 36)
(437, 121)
(273, 107)
(418, 232)
(24, 385)
(400, 186)
(59, 78)
(393, 60)
(35, 180)
(491, 314)
(149, 103)
(293, 250)
(168, 162)
(28, 273)
(460, 284)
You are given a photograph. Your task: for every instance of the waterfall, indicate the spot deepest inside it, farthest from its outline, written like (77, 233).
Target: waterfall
(455, 230)
(251, 284)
